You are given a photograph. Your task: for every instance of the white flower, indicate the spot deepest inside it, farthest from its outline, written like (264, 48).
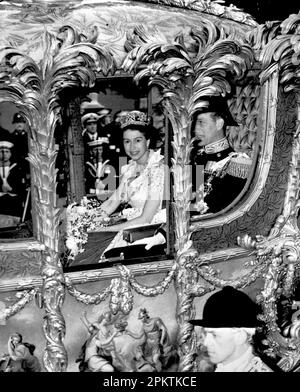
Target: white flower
(81, 210)
(71, 243)
(201, 206)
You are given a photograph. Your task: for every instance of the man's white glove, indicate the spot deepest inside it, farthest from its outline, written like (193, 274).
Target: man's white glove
(157, 239)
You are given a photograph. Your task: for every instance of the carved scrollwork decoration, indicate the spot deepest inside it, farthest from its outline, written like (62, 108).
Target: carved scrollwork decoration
(55, 356)
(186, 280)
(282, 254)
(278, 44)
(291, 359)
(212, 7)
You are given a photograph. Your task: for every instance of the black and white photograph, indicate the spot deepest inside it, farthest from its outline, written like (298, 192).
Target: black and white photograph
(149, 189)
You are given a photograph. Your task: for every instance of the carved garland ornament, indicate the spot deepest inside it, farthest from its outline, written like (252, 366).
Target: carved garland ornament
(121, 298)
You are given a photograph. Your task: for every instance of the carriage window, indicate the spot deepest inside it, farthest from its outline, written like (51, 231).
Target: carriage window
(15, 192)
(224, 152)
(117, 206)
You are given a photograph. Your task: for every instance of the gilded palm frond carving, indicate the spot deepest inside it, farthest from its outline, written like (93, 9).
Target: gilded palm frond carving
(221, 62)
(280, 47)
(67, 60)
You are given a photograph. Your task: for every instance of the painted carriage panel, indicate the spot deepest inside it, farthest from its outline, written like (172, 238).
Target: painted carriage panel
(134, 349)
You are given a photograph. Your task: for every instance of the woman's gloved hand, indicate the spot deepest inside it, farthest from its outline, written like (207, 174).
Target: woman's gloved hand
(157, 239)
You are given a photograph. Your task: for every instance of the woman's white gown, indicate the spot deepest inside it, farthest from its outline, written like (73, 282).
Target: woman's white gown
(138, 187)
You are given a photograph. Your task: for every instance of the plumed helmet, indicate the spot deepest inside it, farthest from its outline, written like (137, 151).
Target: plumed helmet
(228, 308)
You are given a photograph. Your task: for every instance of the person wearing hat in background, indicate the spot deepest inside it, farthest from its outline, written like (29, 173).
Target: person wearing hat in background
(90, 132)
(91, 105)
(95, 150)
(20, 137)
(229, 323)
(225, 171)
(12, 180)
(20, 141)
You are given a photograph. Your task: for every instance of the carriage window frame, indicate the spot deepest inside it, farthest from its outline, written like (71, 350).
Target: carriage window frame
(169, 253)
(260, 163)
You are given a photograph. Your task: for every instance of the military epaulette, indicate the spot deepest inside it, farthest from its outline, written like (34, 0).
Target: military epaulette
(239, 166)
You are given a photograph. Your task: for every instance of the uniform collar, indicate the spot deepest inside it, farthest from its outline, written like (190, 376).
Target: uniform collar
(219, 145)
(238, 364)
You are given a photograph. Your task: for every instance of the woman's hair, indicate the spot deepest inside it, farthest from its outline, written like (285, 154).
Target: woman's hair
(144, 129)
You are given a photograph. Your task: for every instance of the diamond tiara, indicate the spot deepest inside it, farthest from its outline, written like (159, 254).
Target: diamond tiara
(134, 117)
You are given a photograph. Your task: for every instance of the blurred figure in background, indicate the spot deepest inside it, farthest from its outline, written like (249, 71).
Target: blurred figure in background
(12, 182)
(20, 137)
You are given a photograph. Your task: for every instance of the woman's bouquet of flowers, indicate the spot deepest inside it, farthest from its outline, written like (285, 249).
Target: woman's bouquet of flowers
(82, 218)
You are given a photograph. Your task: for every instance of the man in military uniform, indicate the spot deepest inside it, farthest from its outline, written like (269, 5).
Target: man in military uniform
(90, 133)
(228, 324)
(20, 137)
(98, 165)
(20, 141)
(225, 171)
(94, 153)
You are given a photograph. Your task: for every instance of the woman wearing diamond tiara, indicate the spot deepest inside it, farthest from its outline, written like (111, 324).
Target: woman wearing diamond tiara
(142, 180)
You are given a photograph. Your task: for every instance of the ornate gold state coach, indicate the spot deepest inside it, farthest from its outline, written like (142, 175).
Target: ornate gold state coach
(169, 54)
